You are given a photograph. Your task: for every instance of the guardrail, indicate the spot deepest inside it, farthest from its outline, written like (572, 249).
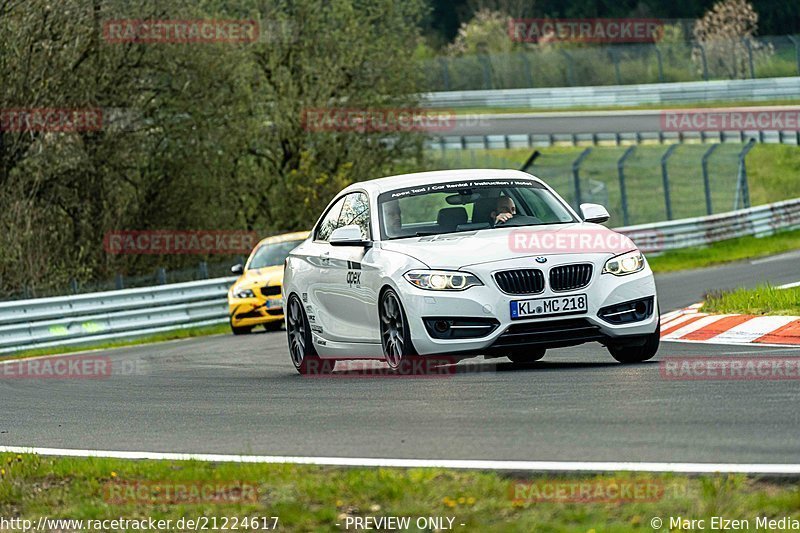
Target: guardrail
(759, 221)
(132, 313)
(111, 315)
(762, 89)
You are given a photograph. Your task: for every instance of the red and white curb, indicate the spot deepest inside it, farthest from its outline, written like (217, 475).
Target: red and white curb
(690, 325)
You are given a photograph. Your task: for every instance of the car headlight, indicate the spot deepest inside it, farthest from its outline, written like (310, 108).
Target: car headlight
(244, 293)
(625, 264)
(442, 280)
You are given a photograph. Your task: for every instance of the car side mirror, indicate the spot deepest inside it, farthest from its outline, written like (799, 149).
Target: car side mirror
(594, 213)
(237, 269)
(348, 236)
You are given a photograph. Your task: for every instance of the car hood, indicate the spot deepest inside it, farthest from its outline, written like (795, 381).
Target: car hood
(457, 250)
(258, 277)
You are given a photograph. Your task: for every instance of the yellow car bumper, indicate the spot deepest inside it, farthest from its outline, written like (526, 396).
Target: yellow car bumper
(246, 312)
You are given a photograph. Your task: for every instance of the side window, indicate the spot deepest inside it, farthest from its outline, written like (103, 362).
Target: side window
(330, 221)
(356, 211)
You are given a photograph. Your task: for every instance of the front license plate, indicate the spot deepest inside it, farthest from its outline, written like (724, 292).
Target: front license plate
(277, 303)
(538, 307)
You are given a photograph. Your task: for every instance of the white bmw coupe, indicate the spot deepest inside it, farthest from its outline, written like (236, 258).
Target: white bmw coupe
(464, 263)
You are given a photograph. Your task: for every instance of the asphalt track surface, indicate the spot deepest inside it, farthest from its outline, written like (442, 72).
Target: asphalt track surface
(240, 395)
(585, 122)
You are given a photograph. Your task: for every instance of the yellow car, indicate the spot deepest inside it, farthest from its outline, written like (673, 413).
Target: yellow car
(255, 298)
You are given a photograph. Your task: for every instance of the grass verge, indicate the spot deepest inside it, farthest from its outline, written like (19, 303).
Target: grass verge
(159, 337)
(311, 498)
(762, 300)
(725, 252)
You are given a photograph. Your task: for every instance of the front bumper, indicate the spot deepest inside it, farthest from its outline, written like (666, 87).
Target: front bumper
(245, 312)
(487, 304)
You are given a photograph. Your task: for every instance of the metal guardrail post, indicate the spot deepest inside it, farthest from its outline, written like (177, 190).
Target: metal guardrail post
(665, 179)
(203, 270)
(796, 51)
(161, 276)
(576, 176)
(622, 190)
(742, 186)
(706, 181)
(119, 282)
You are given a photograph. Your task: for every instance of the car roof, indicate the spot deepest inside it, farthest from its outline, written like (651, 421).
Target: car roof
(283, 237)
(400, 181)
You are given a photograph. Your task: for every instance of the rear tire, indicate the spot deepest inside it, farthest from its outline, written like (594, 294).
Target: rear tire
(637, 354)
(522, 356)
(301, 349)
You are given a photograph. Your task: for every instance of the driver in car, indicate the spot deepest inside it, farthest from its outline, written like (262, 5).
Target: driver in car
(504, 210)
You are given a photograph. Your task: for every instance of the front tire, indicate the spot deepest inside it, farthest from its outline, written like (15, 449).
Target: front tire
(637, 354)
(301, 350)
(240, 330)
(273, 326)
(395, 332)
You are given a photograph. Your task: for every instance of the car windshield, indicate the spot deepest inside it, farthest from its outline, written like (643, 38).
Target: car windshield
(467, 206)
(271, 254)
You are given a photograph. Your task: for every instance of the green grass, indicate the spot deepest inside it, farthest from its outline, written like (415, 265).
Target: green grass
(311, 498)
(762, 300)
(716, 103)
(159, 337)
(725, 251)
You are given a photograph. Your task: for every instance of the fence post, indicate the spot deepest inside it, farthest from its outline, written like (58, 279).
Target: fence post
(119, 282)
(529, 162)
(706, 181)
(528, 75)
(796, 51)
(750, 57)
(660, 65)
(742, 187)
(487, 71)
(203, 268)
(576, 177)
(622, 190)
(570, 72)
(161, 276)
(615, 60)
(703, 57)
(445, 73)
(665, 179)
